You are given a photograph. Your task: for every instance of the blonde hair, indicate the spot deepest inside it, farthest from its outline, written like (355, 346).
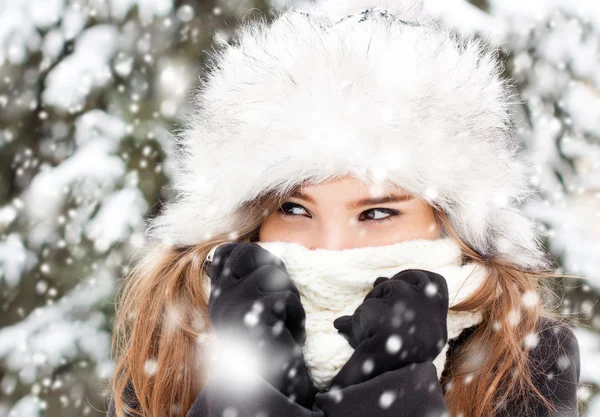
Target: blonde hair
(162, 323)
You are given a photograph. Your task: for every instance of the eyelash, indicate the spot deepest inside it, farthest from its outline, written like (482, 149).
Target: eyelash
(392, 213)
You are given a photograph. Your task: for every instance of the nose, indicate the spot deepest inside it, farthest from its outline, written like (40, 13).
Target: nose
(334, 238)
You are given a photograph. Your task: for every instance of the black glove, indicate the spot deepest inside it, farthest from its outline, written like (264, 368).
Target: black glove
(402, 320)
(253, 296)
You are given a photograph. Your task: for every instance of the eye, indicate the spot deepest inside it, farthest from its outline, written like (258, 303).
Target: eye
(286, 207)
(286, 210)
(390, 212)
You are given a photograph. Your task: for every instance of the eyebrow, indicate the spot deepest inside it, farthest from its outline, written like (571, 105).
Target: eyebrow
(392, 198)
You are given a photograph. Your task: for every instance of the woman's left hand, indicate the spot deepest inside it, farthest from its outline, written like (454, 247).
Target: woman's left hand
(402, 320)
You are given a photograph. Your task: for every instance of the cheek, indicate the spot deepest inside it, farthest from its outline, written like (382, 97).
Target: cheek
(265, 229)
(275, 228)
(417, 222)
(424, 223)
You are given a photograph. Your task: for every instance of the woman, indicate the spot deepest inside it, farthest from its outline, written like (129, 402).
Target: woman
(294, 123)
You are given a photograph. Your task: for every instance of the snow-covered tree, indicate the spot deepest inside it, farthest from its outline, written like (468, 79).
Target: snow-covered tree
(90, 93)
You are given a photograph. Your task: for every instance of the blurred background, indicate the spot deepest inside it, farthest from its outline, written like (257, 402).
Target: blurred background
(90, 95)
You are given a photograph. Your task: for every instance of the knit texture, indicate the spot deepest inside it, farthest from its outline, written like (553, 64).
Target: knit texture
(333, 283)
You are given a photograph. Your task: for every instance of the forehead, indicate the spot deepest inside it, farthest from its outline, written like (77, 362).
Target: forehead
(351, 186)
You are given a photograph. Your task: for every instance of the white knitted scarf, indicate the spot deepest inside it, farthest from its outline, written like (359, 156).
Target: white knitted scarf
(333, 283)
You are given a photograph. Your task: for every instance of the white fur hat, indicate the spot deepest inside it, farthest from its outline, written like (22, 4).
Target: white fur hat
(342, 88)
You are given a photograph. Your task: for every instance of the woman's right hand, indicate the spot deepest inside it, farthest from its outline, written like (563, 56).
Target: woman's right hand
(402, 320)
(254, 299)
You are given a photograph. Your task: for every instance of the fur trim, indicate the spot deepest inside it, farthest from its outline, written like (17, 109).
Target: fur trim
(314, 96)
(335, 10)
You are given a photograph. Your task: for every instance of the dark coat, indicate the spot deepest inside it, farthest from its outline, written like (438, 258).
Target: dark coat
(555, 362)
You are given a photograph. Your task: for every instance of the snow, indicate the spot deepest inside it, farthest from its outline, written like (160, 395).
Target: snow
(53, 44)
(93, 169)
(20, 22)
(120, 213)
(28, 406)
(570, 238)
(583, 105)
(387, 399)
(234, 363)
(8, 214)
(44, 13)
(15, 260)
(467, 19)
(74, 20)
(147, 9)
(84, 128)
(594, 407)
(543, 9)
(52, 335)
(18, 32)
(87, 68)
(589, 347)
(75, 209)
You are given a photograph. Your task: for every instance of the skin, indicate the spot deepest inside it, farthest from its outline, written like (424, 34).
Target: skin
(328, 223)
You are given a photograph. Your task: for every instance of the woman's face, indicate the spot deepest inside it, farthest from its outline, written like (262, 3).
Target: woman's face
(334, 216)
